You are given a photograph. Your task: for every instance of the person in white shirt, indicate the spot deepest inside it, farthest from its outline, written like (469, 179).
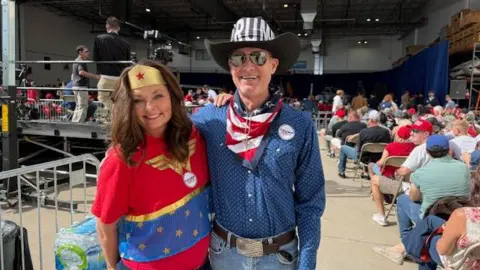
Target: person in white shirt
(462, 142)
(337, 100)
(211, 94)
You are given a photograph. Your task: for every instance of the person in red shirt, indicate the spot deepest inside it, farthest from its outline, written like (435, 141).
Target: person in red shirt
(188, 96)
(382, 177)
(152, 200)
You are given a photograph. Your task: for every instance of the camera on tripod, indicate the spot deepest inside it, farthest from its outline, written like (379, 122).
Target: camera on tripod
(159, 49)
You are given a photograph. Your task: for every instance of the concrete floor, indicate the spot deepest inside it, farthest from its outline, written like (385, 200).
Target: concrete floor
(348, 234)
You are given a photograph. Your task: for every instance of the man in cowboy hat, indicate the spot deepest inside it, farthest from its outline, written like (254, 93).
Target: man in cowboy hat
(264, 159)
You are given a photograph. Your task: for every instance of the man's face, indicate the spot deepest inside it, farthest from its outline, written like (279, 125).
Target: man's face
(252, 77)
(85, 53)
(350, 118)
(457, 131)
(419, 136)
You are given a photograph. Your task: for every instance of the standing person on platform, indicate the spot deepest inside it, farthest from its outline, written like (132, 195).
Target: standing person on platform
(359, 101)
(110, 47)
(80, 82)
(152, 204)
(264, 159)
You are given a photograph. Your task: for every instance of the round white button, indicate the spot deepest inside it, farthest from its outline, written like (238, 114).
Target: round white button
(249, 195)
(250, 220)
(249, 171)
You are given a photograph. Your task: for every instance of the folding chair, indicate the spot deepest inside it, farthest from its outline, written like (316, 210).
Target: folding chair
(472, 252)
(352, 138)
(374, 148)
(396, 161)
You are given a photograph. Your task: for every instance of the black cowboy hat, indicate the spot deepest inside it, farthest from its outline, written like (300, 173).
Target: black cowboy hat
(256, 33)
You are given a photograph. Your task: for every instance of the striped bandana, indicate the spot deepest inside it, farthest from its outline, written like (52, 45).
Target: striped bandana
(246, 131)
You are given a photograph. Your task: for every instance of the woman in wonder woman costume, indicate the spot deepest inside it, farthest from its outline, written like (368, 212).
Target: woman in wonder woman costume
(152, 199)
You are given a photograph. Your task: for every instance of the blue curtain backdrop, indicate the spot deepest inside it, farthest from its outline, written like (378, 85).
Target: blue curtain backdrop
(422, 72)
(425, 71)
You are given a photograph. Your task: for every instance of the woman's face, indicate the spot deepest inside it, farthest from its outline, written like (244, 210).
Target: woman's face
(153, 108)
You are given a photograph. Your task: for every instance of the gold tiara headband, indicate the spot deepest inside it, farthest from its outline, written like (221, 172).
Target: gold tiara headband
(142, 76)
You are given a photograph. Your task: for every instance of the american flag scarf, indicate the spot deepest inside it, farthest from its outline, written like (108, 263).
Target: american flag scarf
(246, 131)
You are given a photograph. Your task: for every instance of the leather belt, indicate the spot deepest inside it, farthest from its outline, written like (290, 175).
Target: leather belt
(255, 248)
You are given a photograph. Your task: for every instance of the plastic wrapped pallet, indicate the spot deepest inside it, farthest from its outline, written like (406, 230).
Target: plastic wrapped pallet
(78, 247)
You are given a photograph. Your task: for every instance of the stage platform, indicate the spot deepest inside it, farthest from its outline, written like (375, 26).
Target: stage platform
(89, 130)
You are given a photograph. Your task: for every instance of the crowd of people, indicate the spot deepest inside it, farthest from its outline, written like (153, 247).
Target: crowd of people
(437, 182)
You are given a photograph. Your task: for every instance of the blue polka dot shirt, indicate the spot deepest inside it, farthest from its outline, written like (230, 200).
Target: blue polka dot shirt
(286, 190)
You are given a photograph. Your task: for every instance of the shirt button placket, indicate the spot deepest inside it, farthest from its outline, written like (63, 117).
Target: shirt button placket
(250, 201)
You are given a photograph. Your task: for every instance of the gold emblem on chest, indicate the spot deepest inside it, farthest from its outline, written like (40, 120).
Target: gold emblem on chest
(162, 162)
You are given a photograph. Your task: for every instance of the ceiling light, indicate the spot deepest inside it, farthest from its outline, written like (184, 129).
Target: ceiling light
(198, 37)
(377, 19)
(365, 42)
(285, 5)
(305, 34)
(359, 42)
(369, 19)
(299, 34)
(147, 10)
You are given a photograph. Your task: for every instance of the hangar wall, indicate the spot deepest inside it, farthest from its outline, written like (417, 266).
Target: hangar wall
(46, 34)
(439, 14)
(342, 55)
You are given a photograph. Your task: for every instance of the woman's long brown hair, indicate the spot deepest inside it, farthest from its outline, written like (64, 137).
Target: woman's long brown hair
(127, 133)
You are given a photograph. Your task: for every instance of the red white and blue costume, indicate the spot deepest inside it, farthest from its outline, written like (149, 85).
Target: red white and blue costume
(162, 206)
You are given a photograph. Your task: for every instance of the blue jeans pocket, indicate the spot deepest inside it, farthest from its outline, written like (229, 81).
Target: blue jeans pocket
(217, 244)
(288, 253)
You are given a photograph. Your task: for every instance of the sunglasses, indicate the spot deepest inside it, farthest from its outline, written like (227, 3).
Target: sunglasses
(238, 59)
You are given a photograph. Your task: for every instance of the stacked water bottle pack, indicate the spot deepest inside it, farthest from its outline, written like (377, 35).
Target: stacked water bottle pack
(78, 247)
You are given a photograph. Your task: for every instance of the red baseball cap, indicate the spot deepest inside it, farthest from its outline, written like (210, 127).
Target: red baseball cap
(422, 125)
(340, 113)
(404, 132)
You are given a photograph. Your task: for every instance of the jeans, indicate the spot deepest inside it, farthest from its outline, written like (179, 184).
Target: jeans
(328, 140)
(346, 152)
(224, 257)
(433, 222)
(407, 212)
(375, 169)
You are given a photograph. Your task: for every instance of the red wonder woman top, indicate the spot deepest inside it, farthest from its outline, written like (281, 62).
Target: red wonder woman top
(162, 206)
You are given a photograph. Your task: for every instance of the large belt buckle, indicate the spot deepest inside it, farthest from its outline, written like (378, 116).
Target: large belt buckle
(249, 247)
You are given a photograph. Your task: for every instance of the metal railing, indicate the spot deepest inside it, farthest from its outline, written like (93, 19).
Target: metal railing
(61, 110)
(321, 119)
(64, 176)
